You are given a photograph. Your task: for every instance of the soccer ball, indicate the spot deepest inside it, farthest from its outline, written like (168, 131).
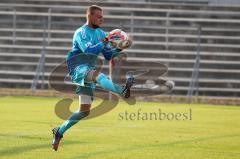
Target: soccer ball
(170, 85)
(119, 39)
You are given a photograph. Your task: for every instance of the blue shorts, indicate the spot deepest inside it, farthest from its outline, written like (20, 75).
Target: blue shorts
(78, 76)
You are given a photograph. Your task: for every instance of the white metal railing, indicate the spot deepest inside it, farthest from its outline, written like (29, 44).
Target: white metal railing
(168, 19)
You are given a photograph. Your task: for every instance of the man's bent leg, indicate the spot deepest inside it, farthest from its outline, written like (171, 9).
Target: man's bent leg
(103, 81)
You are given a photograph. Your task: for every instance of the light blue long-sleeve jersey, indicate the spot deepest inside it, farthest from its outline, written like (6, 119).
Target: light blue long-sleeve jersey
(88, 41)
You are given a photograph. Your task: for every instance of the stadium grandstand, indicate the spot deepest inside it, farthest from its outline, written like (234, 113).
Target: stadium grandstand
(197, 39)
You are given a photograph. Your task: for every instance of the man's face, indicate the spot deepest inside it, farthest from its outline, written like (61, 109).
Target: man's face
(96, 18)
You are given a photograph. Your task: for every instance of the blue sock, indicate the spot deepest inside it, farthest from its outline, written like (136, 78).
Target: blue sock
(107, 84)
(74, 118)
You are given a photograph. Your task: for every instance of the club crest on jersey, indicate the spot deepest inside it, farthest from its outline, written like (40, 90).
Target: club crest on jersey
(88, 44)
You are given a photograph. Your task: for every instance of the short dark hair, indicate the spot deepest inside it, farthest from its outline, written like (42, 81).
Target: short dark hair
(92, 8)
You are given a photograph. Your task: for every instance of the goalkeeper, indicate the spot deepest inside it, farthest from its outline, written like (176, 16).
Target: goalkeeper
(88, 42)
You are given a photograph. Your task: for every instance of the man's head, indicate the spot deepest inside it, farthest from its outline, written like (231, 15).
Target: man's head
(94, 16)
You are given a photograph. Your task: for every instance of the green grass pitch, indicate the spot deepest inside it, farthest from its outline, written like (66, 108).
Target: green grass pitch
(211, 132)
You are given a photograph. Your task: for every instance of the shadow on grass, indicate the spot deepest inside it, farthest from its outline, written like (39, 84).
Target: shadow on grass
(22, 136)
(22, 149)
